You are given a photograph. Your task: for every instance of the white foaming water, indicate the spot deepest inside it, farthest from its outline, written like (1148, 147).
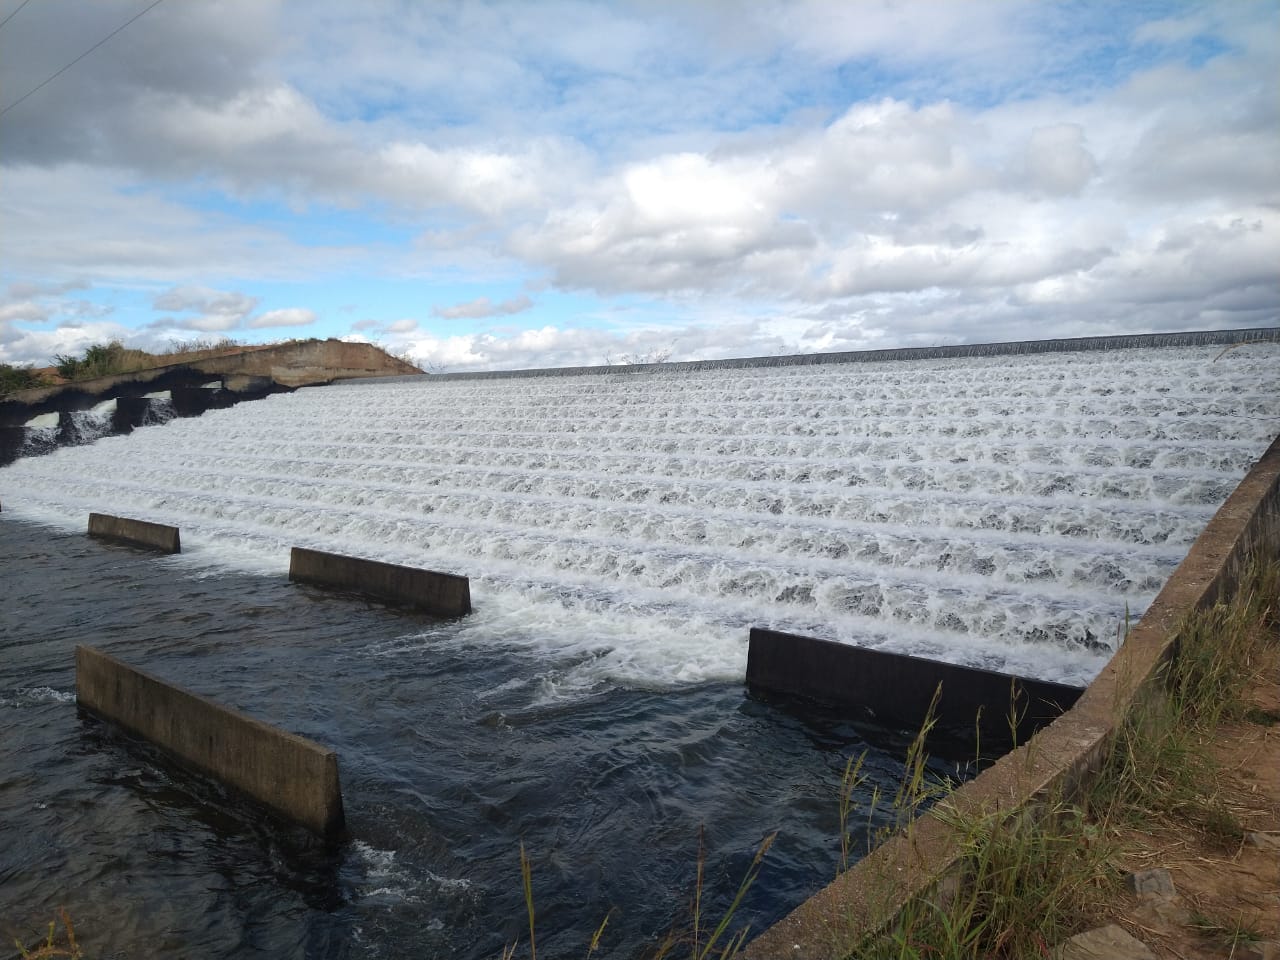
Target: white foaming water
(379, 876)
(34, 696)
(1004, 511)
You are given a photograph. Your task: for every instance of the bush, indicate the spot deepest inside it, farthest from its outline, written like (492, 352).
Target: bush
(102, 360)
(14, 378)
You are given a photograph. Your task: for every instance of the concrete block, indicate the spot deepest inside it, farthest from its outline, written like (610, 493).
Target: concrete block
(294, 776)
(131, 412)
(12, 440)
(444, 594)
(140, 533)
(193, 401)
(246, 385)
(892, 688)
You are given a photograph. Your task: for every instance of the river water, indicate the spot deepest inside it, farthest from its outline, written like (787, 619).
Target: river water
(622, 533)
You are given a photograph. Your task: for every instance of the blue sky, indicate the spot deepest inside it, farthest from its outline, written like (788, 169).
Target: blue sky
(509, 184)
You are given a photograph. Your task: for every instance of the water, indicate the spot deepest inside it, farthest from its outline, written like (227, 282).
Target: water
(451, 757)
(622, 533)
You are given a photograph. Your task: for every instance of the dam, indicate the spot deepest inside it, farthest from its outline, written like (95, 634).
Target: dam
(622, 534)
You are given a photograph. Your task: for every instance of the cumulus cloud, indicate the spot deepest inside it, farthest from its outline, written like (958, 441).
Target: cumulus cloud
(778, 161)
(215, 311)
(286, 317)
(484, 307)
(1058, 161)
(24, 310)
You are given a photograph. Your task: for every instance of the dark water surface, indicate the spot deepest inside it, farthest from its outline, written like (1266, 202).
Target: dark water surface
(448, 764)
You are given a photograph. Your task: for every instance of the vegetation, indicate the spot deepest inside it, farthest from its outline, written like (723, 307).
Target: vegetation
(1032, 880)
(109, 359)
(703, 939)
(51, 947)
(20, 377)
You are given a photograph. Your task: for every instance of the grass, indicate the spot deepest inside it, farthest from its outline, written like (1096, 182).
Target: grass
(51, 947)
(1032, 880)
(1230, 933)
(19, 377)
(109, 359)
(704, 938)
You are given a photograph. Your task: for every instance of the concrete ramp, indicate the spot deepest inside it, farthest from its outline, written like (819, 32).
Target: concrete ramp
(138, 533)
(443, 594)
(895, 689)
(292, 775)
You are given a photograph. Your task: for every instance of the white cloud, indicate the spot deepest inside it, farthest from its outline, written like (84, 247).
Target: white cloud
(813, 165)
(24, 310)
(484, 307)
(286, 317)
(216, 311)
(1058, 161)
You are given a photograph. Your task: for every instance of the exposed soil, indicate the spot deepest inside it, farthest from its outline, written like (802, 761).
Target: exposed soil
(1227, 890)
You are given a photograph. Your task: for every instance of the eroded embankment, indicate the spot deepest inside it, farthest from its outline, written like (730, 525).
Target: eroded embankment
(1058, 760)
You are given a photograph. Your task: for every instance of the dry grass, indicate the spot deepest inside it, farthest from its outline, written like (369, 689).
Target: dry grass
(1032, 880)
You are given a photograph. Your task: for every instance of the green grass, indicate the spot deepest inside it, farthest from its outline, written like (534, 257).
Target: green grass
(51, 947)
(1032, 880)
(18, 377)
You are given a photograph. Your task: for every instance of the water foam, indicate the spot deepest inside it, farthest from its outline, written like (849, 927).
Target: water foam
(1005, 512)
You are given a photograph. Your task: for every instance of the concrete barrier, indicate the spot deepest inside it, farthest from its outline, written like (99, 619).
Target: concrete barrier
(193, 401)
(444, 594)
(131, 413)
(995, 708)
(290, 774)
(1058, 761)
(140, 533)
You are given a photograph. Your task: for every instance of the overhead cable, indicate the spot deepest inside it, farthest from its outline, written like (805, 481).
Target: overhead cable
(15, 12)
(79, 58)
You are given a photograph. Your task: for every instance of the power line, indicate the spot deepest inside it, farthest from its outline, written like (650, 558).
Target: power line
(50, 80)
(15, 13)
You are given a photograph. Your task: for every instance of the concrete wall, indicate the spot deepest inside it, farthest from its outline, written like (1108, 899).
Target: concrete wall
(1058, 760)
(893, 688)
(444, 594)
(294, 776)
(140, 533)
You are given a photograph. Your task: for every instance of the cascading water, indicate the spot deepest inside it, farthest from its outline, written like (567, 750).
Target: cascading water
(622, 533)
(1002, 512)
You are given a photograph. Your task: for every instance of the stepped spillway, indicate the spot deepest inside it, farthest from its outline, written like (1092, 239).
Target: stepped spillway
(1005, 511)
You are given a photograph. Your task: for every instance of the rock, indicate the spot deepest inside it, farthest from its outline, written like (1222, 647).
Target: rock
(1264, 841)
(1151, 883)
(1111, 942)
(1257, 950)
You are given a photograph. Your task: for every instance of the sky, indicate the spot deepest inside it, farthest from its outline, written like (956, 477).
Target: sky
(498, 185)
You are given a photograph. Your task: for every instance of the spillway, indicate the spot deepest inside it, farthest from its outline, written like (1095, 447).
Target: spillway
(622, 532)
(1006, 512)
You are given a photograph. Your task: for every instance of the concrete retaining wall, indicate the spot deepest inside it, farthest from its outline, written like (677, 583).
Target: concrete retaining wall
(290, 774)
(140, 533)
(444, 594)
(1058, 760)
(898, 689)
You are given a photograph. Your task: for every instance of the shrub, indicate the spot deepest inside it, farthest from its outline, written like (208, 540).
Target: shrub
(14, 378)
